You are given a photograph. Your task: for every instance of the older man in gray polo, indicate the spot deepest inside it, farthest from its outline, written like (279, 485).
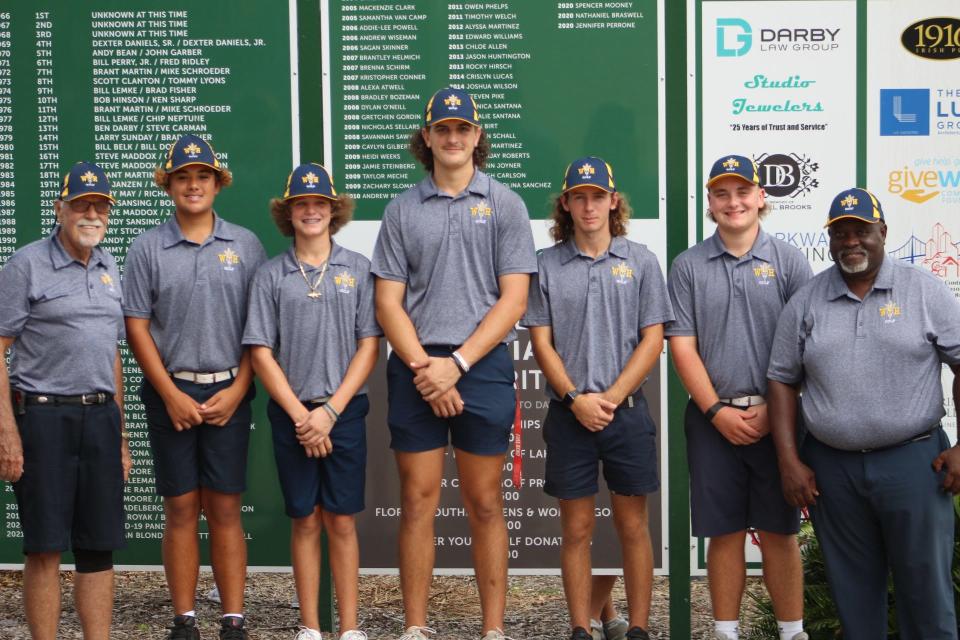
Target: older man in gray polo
(61, 420)
(864, 342)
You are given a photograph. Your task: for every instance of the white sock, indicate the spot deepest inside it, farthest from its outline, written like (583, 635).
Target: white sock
(729, 628)
(233, 615)
(192, 613)
(789, 629)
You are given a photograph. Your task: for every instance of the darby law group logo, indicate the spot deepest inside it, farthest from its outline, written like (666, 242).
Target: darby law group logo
(933, 38)
(735, 38)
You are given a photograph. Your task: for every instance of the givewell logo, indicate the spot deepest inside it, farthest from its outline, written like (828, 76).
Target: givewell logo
(787, 175)
(735, 38)
(933, 38)
(904, 112)
(922, 185)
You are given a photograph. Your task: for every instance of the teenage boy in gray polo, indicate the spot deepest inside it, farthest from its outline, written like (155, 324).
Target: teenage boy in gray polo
(727, 294)
(61, 440)
(596, 313)
(187, 282)
(864, 341)
(313, 341)
(452, 263)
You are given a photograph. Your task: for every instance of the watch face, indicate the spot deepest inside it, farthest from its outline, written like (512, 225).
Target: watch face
(569, 398)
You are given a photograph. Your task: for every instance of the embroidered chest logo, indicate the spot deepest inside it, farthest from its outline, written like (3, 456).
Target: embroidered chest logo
(228, 259)
(622, 273)
(345, 282)
(107, 282)
(481, 212)
(765, 274)
(890, 312)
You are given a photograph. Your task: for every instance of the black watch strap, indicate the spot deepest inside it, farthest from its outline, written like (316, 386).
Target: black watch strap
(713, 411)
(569, 397)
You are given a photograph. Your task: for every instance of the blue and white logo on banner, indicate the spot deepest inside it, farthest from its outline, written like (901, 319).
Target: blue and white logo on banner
(904, 112)
(736, 32)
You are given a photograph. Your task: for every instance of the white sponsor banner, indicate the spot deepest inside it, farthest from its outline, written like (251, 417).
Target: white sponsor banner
(913, 137)
(779, 86)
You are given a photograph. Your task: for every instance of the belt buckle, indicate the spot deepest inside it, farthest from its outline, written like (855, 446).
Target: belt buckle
(88, 399)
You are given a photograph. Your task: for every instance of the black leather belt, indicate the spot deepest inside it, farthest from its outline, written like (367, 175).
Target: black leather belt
(84, 399)
(926, 435)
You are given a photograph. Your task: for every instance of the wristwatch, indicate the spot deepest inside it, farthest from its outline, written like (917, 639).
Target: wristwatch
(569, 397)
(713, 410)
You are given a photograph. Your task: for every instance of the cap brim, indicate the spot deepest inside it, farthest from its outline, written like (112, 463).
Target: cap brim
(90, 194)
(595, 186)
(309, 195)
(438, 121)
(190, 164)
(729, 175)
(851, 217)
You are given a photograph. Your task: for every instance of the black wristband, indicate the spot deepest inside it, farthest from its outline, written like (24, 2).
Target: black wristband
(712, 412)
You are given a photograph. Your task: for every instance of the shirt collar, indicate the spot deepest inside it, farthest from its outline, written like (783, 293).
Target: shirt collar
(837, 286)
(760, 248)
(172, 234)
(338, 256)
(60, 258)
(618, 247)
(479, 185)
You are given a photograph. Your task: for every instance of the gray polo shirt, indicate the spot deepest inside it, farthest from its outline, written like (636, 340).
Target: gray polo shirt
(731, 306)
(195, 295)
(314, 340)
(65, 317)
(450, 250)
(597, 307)
(869, 370)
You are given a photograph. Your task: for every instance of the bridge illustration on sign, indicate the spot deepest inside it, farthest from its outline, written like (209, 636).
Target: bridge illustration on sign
(938, 253)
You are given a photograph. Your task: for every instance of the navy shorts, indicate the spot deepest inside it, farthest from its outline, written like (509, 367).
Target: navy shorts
(627, 447)
(336, 482)
(206, 455)
(733, 487)
(489, 402)
(70, 495)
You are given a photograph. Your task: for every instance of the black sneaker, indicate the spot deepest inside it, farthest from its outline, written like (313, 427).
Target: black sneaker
(231, 628)
(637, 633)
(184, 628)
(579, 633)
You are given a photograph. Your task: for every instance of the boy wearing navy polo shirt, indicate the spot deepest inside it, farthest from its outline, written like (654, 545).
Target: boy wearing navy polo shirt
(453, 263)
(313, 339)
(596, 313)
(187, 282)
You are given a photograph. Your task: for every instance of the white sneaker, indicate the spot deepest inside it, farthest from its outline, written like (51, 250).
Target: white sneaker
(214, 595)
(615, 629)
(801, 636)
(416, 633)
(353, 634)
(720, 635)
(306, 633)
(495, 634)
(596, 629)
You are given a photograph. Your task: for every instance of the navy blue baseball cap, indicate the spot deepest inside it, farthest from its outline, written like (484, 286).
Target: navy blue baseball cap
(190, 149)
(451, 104)
(856, 204)
(85, 179)
(590, 171)
(309, 179)
(735, 166)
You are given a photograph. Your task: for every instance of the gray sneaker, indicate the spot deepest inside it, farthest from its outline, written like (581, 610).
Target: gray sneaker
(416, 633)
(596, 629)
(615, 629)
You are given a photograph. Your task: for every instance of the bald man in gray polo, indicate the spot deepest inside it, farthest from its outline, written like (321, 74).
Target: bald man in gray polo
(864, 346)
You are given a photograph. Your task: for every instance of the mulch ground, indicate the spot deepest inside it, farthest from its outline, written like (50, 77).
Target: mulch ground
(535, 607)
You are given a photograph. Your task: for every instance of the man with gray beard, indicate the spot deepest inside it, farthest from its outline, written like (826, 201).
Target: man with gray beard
(61, 425)
(864, 342)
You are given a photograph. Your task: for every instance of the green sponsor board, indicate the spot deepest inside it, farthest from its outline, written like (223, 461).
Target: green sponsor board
(553, 81)
(115, 82)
